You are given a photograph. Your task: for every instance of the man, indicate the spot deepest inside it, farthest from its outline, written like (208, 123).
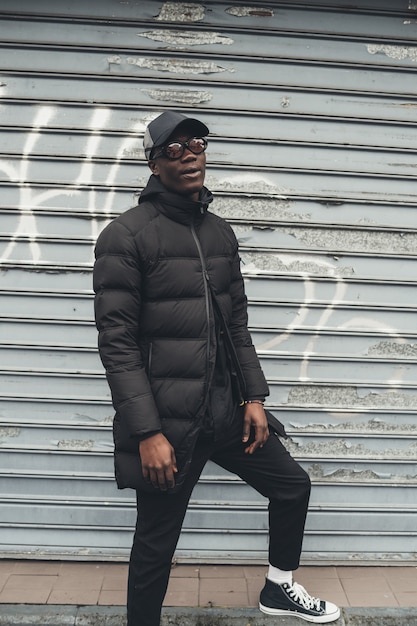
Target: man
(185, 379)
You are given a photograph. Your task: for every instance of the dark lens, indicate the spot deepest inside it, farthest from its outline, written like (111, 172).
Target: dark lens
(174, 150)
(197, 145)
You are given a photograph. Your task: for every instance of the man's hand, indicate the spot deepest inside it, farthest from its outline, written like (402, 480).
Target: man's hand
(159, 464)
(254, 416)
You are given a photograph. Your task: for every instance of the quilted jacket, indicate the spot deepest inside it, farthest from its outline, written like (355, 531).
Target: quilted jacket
(161, 269)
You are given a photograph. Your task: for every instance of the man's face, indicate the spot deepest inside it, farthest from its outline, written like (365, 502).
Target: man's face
(184, 175)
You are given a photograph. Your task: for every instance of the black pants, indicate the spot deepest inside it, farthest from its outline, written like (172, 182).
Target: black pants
(270, 470)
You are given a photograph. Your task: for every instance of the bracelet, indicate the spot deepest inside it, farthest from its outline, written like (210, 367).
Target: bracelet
(254, 402)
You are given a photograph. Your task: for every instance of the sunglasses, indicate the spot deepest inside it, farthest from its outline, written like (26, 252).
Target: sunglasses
(175, 149)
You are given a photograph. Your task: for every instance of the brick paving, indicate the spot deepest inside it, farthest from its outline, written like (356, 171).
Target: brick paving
(85, 583)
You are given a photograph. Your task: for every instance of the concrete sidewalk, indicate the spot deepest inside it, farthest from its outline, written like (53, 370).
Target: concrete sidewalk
(87, 594)
(41, 615)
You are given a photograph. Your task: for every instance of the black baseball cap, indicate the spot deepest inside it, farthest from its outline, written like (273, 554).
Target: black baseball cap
(162, 127)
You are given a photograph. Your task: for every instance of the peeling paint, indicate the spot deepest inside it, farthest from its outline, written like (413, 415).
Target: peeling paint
(181, 12)
(7, 432)
(181, 39)
(184, 97)
(365, 221)
(375, 425)
(75, 444)
(286, 263)
(178, 66)
(317, 473)
(412, 6)
(250, 11)
(106, 421)
(354, 240)
(409, 105)
(253, 183)
(268, 209)
(399, 53)
(134, 153)
(101, 421)
(115, 59)
(319, 395)
(394, 350)
(342, 448)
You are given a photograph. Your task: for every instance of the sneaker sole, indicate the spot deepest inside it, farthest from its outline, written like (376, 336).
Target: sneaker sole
(319, 619)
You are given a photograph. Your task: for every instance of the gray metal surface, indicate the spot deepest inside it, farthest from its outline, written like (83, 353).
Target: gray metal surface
(312, 108)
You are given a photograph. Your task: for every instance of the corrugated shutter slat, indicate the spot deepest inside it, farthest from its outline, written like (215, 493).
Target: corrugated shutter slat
(312, 108)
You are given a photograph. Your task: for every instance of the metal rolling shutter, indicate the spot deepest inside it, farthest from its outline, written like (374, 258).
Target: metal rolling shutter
(312, 108)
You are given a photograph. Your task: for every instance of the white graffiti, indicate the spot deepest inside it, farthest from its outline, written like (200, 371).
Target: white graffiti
(31, 199)
(99, 207)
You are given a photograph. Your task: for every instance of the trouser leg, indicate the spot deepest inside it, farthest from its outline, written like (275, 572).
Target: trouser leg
(158, 526)
(276, 475)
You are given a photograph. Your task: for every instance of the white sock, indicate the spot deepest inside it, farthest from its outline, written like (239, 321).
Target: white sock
(279, 576)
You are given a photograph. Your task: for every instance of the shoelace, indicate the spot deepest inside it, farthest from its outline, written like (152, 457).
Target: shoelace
(300, 595)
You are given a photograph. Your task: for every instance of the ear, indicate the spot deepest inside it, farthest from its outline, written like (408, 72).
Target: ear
(153, 166)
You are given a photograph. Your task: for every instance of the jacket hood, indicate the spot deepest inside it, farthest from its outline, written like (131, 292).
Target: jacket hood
(173, 204)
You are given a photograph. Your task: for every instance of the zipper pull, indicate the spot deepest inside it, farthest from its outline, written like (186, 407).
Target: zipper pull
(206, 276)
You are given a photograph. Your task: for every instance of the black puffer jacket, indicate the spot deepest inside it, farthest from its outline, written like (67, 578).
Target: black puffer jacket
(159, 266)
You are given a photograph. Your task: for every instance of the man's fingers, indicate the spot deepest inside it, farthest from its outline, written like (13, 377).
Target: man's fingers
(164, 478)
(173, 461)
(153, 478)
(246, 430)
(261, 436)
(159, 464)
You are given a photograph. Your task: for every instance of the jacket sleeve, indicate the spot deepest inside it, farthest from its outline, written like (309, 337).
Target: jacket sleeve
(117, 286)
(256, 385)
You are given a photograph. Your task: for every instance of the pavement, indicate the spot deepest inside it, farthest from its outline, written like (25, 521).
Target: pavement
(71, 593)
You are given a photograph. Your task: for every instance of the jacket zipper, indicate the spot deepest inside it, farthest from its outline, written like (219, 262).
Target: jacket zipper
(206, 280)
(149, 361)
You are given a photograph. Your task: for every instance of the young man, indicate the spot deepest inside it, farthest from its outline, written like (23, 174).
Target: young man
(185, 379)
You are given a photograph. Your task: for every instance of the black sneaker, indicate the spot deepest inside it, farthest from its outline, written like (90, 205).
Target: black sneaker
(294, 600)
